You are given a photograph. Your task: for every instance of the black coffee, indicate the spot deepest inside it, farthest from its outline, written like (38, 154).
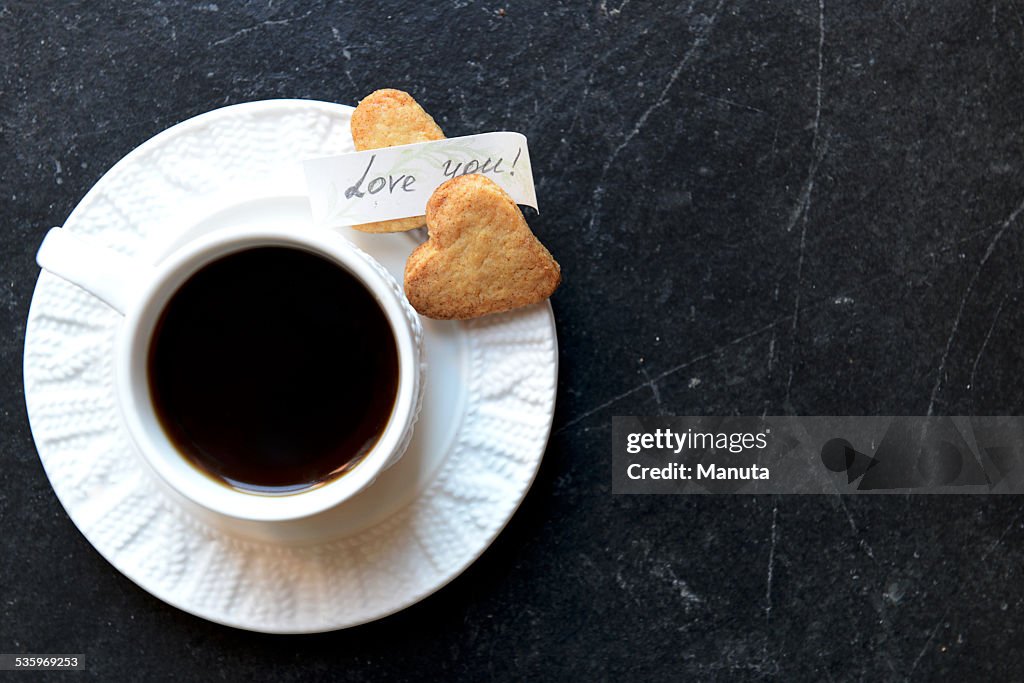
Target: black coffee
(273, 370)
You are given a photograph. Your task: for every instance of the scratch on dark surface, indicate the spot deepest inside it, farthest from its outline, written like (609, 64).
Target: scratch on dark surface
(803, 205)
(771, 566)
(999, 235)
(984, 343)
(963, 302)
(615, 11)
(809, 187)
(999, 541)
(949, 345)
(771, 351)
(1016, 11)
(927, 643)
(861, 541)
(581, 100)
(731, 103)
(653, 384)
(695, 48)
(804, 201)
(348, 75)
(161, 120)
(769, 579)
(821, 62)
(255, 27)
(665, 573)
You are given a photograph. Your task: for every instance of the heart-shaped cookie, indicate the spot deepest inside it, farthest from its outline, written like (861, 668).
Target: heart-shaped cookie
(388, 118)
(481, 257)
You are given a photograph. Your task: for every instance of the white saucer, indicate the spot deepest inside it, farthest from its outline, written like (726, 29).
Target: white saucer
(490, 392)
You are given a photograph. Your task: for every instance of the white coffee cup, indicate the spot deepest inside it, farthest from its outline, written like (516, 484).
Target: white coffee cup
(140, 291)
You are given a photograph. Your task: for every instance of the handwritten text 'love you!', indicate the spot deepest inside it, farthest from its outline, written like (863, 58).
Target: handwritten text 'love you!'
(396, 182)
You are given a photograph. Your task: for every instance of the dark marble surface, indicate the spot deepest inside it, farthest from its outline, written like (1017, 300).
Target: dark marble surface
(787, 208)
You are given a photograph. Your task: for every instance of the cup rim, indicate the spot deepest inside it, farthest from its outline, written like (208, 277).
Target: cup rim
(157, 450)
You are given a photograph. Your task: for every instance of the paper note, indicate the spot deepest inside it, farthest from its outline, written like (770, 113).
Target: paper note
(396, 182)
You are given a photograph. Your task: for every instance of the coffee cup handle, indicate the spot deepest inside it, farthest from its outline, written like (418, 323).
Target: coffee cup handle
(114, 278)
